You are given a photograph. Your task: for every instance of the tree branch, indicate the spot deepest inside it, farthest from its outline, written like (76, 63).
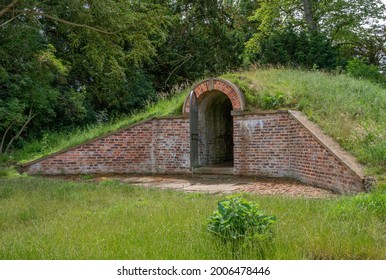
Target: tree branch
(189, 56)
(30, 117)
(8, 21)
(35, 13)
(7, 8)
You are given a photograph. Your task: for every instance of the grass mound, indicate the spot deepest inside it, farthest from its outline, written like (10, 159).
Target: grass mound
(351, 111)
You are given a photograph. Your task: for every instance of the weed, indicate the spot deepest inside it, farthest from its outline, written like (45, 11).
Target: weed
(237, 218)
(272, 101)
(241, 223)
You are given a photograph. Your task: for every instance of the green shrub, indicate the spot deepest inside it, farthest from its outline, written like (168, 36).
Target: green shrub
(360, 69)
(237, 218)
(272, 101)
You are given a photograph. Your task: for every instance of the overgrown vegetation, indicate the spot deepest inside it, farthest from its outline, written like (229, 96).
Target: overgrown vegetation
(73, 70)
(44, 218)
(360, 69)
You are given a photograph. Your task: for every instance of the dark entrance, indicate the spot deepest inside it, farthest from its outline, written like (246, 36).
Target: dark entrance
(211, 124)
(215, 129)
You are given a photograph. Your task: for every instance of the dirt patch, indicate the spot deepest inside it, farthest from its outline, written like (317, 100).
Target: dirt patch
(288, 187)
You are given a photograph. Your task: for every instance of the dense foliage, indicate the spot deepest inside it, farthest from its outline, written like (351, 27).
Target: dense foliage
(70, 63)
(307, 49)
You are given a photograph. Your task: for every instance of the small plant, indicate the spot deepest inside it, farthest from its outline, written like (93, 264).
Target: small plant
(242, 223)
(268, 101)
(237, 218)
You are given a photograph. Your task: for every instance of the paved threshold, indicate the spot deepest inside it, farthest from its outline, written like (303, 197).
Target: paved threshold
(215, 184)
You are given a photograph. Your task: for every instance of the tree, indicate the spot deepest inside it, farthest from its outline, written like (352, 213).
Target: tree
(346, 23)
(206, 38)
(28, 69)
(63, 62)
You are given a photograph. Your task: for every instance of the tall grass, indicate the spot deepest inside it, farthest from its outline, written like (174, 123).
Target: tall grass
(352, 111)
(44, 218)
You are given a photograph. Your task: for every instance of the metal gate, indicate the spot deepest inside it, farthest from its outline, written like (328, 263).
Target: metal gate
(193, 129)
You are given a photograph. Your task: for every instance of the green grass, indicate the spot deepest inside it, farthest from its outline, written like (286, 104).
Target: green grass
(43, 218)
(351, 111)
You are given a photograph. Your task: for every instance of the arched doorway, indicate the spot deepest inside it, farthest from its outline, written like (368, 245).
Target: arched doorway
(210, 106)
(215, 126)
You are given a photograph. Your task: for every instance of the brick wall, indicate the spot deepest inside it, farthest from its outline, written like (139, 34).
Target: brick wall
(261, 145)
(171, 146)
(279, 145)
(154, 146)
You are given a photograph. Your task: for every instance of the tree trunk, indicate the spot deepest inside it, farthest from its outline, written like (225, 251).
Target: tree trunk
(3, 138)
(309, 15)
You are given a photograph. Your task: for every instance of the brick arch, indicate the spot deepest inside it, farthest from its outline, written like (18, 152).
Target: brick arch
(231, 90)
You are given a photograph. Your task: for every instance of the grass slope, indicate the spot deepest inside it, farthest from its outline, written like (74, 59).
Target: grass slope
(44, 218)
(352, 111)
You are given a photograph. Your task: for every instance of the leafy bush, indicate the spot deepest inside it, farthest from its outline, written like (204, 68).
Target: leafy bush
(272, 101)
(237, 218)
(360, 69)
